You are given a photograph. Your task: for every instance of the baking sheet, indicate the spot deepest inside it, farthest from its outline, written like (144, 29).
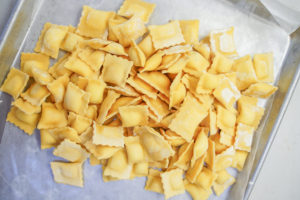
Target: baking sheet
(25, 170)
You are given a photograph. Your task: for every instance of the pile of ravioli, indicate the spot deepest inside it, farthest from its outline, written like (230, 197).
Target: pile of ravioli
(170, 107)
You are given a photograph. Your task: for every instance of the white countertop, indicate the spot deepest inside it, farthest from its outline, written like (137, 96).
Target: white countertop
(280, 176)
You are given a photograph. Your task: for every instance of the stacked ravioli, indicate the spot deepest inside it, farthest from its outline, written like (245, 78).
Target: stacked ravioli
(172, 108)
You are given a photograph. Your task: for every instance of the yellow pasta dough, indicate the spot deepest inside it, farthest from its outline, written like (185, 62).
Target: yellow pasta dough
(263, 66)
(94, 23)
(134, 115)
(36, 94)
(50, 39)
(172, 182)
(67, 173)
(15, 82)
(71, 151)
(108, 135)
(30, 60)
(52, 117)
(260, 90)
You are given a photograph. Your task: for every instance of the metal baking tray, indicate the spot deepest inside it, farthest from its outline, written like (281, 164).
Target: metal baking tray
(24, 168)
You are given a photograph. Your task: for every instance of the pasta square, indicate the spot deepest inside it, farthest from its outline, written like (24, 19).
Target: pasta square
(222, 41)
(155, 144)
(52, 137)
(264, 67)
(50, 39)
(127, 90)
(194, 170)
(76, 65)
(224, 159)
(154, 183)
(227, 93)
(249, 114)
(26, 122)
(95, 88)
(94, 23)
(146, 46)
(197, 192)
(129, 30)
(36, 94)
(226, 120)
(200, 146)
(208, 82)
(190, 30)
(140, 169)
(172, 182)
(108, 135)
(111, 25)
(223, 181)
(42, 77)
(157, 106)
(135, 150)
(137, 8)
(136, 54)
(67, 173)
(71, 151)
(166, 35)
(243, 138)
(116, 70)
(196, 64)
(134, 115)
(118, 166)
(52, 117)
(142, 87)
(153, 62)
(26, 107)
(78, 122)
(260, 90)
(94, 58)
(122, 101)
(71, 40)
(157, 80)
(31, 60)
(15, 82)
(210, 156)
(177, 91)
(106, 46)
(58, 69)
(58, 88)
(221, 64)
(75, 99)
(188, 117)
(106, 105)
(245, 72)
(184, 156)
(206, 178)
(239, 159)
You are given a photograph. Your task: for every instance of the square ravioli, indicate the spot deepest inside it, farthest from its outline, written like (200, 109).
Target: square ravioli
(79, 122)
(264, 67)
(118, 166)
(71, 151)
(227, 93)
(157, 106)
(67, 173)
(153, 182)
(36, 94)
(106, 105)
(75, 64)
(134, 149)
(116, 70)
(137, 8)
(94, 58)
(95, 88)
(108, 135)
(245, 72)
(71, 40)
(52, 117)
(172, 182)
(58, 88)
(58, 69)
(177, 91)
(54, 136)
(188, 117)
(190, 30)
(244, 136)
(134, 115)
(26, 122)
(129, 30)
(166, 35)
(34, 60)
(154, 143)
(75, 99)
(25, 106)
(50, 39)
(222, 41)
(260, 90)
(94, 23)
(15, 82)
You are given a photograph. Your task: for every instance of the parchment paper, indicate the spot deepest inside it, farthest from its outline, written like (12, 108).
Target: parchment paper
(25, 169)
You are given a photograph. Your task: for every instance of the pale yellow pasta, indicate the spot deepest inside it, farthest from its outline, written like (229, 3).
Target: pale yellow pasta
(26, 107)
(94, 23)
(67, 173)
(52, 117)
(36, 94)
(15, 82)
(134, 115)
(172, 182)
(190, 30)
(78, 122)
(108, 135)
(30, 60)
(50, 39)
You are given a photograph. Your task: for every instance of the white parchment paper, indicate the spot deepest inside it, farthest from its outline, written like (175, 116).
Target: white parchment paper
(25, 169)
